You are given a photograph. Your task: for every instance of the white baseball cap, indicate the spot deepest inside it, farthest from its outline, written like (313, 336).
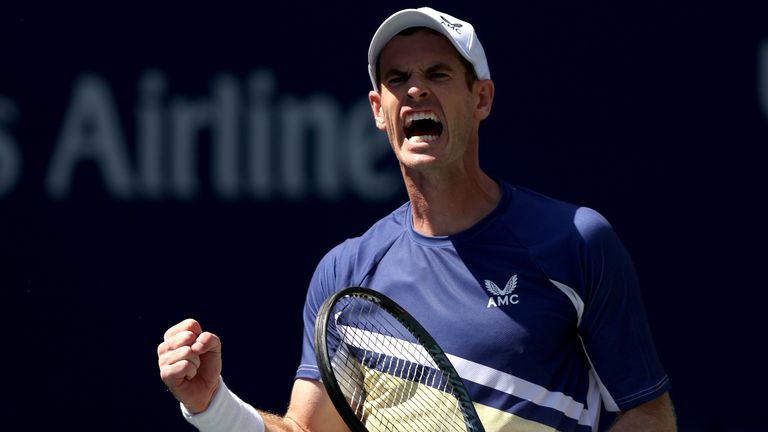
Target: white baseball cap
(461, 34)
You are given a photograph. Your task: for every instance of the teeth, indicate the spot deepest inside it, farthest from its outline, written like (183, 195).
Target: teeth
(423, 138)
(422, 115)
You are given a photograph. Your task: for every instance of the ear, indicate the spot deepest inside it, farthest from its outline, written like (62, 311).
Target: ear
(375, 100)
(484, 90)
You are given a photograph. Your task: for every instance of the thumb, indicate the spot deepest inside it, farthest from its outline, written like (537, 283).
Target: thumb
(207, 343)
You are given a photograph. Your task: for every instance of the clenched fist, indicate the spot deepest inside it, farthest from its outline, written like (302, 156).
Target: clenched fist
(190, 364)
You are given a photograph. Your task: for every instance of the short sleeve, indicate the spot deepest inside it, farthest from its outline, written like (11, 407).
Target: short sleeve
(320, 287)
(614, 327)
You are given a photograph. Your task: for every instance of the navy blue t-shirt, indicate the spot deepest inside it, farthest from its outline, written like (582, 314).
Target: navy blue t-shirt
(537, 305)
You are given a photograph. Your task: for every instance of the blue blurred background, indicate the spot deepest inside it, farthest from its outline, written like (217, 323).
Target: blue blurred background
(162, 160)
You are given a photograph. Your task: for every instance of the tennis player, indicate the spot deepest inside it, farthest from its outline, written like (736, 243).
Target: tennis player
(536, 298)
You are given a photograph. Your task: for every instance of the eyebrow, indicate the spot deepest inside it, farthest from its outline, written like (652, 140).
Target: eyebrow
(395, 72)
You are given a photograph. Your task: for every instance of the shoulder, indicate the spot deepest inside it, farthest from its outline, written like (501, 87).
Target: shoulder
(380, 233)
(543, 218)
(353, 258)
(538, 218)
(566, 240)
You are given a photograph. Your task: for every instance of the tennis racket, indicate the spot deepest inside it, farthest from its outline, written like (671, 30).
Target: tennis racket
(383, 371)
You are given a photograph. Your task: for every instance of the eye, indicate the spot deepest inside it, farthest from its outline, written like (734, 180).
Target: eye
(439, 76)
(396, 79)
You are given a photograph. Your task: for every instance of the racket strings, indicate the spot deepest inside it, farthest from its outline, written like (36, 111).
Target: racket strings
(391, 382)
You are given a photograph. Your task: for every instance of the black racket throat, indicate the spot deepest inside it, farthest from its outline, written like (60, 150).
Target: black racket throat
(382, 369)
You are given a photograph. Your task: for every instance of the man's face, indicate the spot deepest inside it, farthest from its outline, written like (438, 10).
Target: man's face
(424, 104)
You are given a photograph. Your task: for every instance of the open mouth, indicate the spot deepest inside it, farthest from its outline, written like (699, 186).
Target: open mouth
(422, 126)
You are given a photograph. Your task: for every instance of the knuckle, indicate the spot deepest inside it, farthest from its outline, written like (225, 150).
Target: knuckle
(192, 325)
(171, 373)
(184, 351)
(186, 368)
(172, 357)
(186, 337)
(188, 324)
(167, 375)
(162, 349)
(180, 339)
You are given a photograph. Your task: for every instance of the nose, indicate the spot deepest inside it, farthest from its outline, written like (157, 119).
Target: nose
(418, 90)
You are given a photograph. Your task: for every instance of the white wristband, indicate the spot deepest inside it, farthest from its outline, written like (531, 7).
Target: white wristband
(226, 412)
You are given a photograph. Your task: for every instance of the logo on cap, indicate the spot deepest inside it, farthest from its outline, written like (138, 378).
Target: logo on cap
(453, 26)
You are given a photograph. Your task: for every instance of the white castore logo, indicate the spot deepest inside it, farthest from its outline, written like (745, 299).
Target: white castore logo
(504, 296)
(453, 26)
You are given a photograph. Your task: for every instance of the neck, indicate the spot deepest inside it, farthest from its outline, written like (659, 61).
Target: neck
(448, 204)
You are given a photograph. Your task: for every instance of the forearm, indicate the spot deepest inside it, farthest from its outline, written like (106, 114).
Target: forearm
(227, 412)
(275, 423)
(657, 415)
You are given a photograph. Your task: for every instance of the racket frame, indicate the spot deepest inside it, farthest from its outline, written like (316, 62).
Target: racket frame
(471, 419)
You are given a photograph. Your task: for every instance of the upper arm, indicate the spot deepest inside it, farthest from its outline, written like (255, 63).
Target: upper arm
(311, 408)
(614, 327)
(656, 415)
